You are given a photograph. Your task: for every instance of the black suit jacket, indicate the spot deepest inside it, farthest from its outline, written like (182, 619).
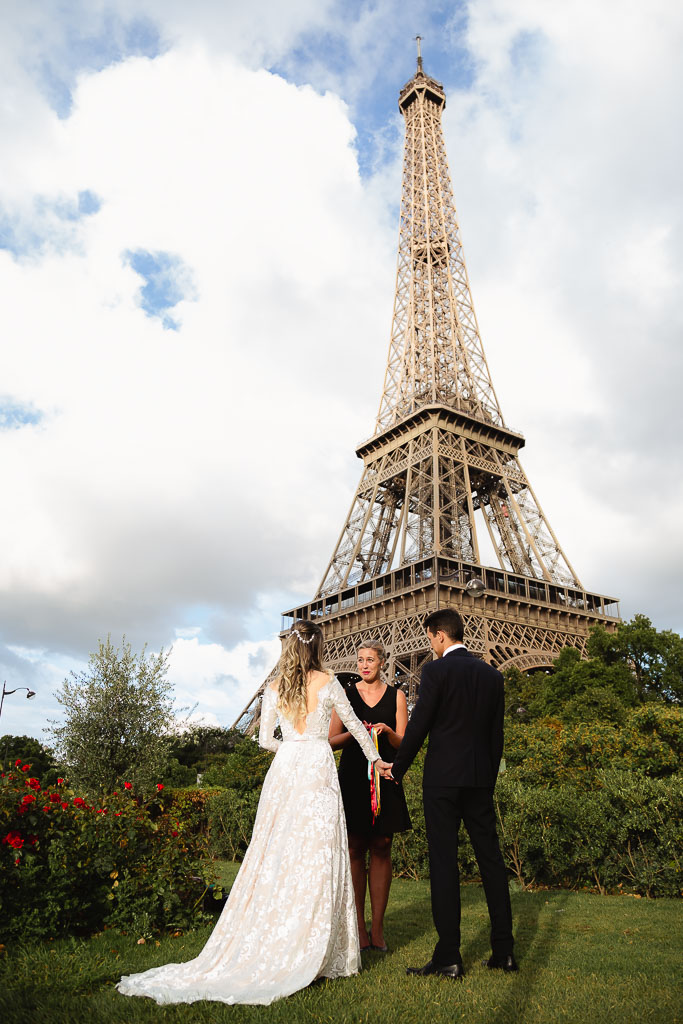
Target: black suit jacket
(460, 706)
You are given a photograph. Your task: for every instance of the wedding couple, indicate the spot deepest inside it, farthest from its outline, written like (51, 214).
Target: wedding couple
(291, 916)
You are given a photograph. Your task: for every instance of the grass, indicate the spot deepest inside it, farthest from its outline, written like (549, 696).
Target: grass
(583, 960)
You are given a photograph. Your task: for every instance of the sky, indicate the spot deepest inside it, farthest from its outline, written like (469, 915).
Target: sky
(198, 233)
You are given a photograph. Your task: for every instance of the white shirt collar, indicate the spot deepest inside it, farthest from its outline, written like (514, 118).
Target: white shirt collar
(453, 647)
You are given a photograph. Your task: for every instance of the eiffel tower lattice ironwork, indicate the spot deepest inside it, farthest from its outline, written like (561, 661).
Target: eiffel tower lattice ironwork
(441, 474)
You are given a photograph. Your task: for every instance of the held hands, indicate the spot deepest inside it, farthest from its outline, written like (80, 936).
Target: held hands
(385, 770)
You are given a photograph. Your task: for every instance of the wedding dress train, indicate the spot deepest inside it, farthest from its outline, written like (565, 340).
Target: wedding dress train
(290, 917)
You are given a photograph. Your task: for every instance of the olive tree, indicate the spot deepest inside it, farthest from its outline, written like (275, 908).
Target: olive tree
(117, 716)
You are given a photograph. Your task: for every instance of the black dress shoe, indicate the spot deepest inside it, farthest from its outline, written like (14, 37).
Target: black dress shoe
(445, 970)
(502, 963)
(379, 949)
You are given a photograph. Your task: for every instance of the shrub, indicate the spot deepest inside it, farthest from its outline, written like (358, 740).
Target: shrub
(243, 769)
(625, 833)
(178, 775)
(231, 816)
(67, 865)
(191, 807)
(652, 739)
(551, 752)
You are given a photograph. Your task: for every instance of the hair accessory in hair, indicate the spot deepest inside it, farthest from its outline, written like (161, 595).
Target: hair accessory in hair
(304, 639)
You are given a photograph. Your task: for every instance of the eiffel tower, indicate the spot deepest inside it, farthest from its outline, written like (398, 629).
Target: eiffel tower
(441, 474)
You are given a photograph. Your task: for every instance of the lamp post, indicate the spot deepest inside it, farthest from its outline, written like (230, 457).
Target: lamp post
(474, 586)
(6, 693)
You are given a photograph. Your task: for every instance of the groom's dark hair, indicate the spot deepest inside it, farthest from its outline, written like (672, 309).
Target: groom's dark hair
(447, 620)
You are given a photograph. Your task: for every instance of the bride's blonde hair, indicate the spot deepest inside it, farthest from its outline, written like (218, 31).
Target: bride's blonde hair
(302, 652)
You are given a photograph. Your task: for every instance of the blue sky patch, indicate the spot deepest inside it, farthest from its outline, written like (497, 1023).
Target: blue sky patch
(368, 69)
(14, 415)
(114, 41)
(167, 282)
(48, 220)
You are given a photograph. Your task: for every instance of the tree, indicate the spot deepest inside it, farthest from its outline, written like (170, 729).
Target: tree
(242, 770)
(117, 717)
(583, 689)
(200, 745)
(654, 658)
(31, 751)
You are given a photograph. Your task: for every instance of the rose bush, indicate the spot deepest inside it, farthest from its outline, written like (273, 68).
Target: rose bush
(68, 865)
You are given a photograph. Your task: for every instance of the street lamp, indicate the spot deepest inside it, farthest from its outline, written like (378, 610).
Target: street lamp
(474, 586)
(6, 693)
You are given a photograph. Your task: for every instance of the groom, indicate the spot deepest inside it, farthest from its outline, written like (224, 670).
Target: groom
(460, 707)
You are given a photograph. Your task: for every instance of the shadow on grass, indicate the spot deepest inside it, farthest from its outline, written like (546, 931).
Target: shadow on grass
(534, 945)
(403, 924)
(533, 949)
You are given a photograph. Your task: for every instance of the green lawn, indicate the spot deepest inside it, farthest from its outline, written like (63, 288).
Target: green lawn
(582, 958)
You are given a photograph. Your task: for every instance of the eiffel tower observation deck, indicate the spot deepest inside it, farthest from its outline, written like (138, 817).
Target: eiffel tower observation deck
(442, 482)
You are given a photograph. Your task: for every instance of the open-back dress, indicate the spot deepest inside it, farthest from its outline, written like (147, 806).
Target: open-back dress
(290, 917)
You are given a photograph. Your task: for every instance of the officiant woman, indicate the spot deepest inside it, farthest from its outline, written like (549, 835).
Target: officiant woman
(383, 709)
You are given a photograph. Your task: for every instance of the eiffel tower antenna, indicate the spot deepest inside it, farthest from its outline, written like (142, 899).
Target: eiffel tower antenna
(441, 475)
(418, 40)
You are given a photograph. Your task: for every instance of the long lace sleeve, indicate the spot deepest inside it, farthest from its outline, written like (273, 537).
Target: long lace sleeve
(352, 722)
(268, 722)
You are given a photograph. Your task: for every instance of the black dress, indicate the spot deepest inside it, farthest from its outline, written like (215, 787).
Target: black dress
(353, 774)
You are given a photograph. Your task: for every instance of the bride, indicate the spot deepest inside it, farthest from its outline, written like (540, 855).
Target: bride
(291, 916)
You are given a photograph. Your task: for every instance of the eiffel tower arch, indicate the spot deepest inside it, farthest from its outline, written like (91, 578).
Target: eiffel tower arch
(442, 482)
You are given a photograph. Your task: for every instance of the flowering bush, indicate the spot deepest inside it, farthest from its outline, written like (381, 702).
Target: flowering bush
(69, 865)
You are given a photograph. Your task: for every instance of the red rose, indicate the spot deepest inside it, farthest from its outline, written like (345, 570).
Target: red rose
(65, 806)
(60, 781)
(26, 768)
(174, 833)
(46, 807)
(160, 786)
(33, 783)
(55, 797)
(14, 839)
(117, 814)
(115, 793)
(102, 810)
(17, 762)
(128, 785)
(17, 861)
(79, 801)
(28, 798)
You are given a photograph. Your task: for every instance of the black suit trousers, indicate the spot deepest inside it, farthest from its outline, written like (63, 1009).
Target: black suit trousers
(445, 808)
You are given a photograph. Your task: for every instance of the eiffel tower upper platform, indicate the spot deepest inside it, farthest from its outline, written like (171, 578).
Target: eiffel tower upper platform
(441, 475)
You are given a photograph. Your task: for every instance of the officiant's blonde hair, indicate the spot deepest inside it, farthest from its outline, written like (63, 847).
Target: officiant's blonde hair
(302, 652)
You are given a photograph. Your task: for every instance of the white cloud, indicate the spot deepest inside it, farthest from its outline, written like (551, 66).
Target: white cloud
(175, 475)
(222, 682)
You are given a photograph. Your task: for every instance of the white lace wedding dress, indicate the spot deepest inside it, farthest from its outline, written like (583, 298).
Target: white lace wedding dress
(291, 916)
